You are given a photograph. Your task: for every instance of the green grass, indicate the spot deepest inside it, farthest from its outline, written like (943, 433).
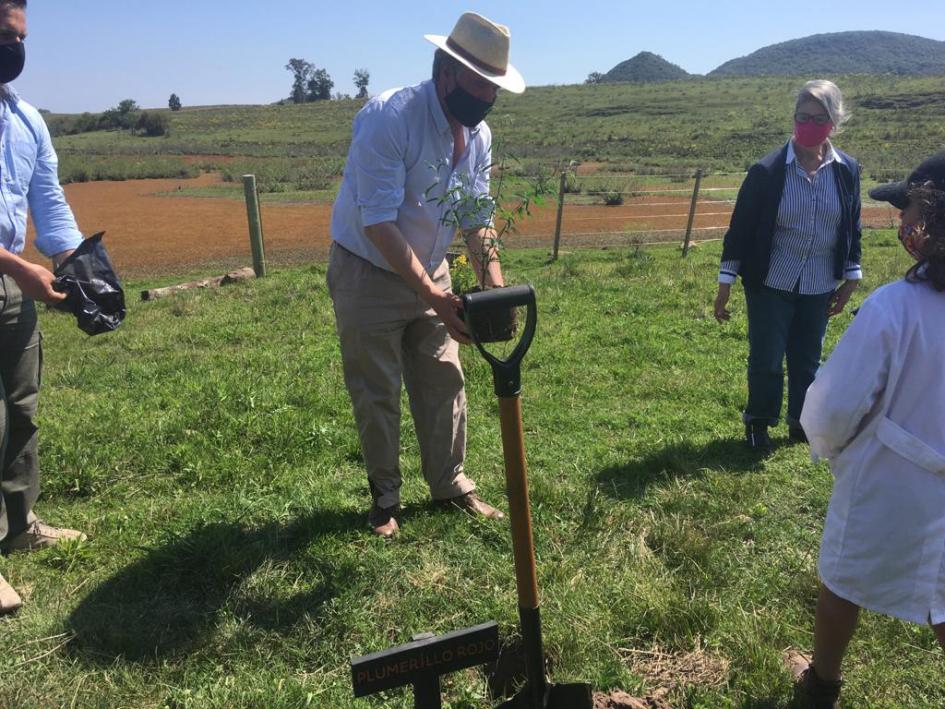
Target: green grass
(208, 449)
(674, 127)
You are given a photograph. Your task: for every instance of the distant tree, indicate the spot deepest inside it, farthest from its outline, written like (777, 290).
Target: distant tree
(361, 79)
(595, 77)
(319, 85)
(301, 76)
(341, 97)
(152, 124)
(127, 106)
(173, 102)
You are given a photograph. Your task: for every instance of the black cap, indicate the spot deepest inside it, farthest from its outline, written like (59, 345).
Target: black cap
(897, 193)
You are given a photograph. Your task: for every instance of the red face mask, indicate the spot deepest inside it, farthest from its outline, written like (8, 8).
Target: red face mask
(810, 134)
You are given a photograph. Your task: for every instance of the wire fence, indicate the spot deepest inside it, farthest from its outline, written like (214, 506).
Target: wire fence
(613, 208)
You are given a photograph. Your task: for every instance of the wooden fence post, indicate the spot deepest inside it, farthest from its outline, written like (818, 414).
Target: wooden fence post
(692, 213)
(561, 189)
(255, 225)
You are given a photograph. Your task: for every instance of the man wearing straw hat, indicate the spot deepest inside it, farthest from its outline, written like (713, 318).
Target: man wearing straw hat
(392, 222)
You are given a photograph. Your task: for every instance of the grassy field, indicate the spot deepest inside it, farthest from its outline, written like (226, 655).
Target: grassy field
(209, 451)
(718, 124)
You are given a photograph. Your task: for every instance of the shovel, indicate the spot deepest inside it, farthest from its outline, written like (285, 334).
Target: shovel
(537, 693)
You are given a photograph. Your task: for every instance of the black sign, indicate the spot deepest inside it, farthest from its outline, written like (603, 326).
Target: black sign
(430, 657)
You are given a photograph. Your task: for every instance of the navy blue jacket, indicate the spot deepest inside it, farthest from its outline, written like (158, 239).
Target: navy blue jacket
(755, 218)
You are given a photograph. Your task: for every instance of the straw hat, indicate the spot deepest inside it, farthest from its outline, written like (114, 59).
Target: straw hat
(483, 46)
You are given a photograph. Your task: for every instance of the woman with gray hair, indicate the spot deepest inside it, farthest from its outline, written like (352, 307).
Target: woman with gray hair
(794, 238)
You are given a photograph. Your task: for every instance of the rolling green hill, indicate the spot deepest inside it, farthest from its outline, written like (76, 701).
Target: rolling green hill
(646, 67)
(843, 53)
(716, 124)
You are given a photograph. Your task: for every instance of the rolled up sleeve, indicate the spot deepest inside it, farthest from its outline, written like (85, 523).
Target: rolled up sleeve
(379, 168)
(850, 382)
(56, 229)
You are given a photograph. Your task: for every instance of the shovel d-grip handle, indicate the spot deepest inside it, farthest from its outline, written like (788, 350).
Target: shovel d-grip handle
(506, 373)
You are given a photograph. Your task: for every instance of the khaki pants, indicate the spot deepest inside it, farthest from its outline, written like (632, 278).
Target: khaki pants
(21, 358)
(389, 334)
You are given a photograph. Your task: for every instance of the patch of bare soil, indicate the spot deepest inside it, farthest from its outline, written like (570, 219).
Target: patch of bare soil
(666, 672)
(149, 232)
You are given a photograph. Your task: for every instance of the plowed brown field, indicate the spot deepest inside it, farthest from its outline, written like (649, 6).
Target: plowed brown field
(153, 233)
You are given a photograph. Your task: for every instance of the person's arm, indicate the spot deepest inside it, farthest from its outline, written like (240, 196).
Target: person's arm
(477, 220)
(35, 281)
(388, 239)
(484, 255)
(848, 385)
(841, 296)
(377, 155)
(57, 234)
(740, 231)
(852, 272)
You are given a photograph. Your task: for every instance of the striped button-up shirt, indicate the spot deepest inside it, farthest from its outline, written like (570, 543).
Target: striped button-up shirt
(805, 236)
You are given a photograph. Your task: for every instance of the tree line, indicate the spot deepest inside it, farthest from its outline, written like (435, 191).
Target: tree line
(310, 83)
(127, 115)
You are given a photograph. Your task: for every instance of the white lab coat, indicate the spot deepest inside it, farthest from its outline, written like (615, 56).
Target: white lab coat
(877, 412)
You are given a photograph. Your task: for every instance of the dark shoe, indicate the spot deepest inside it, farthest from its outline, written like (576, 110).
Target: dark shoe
(471, 503)
(10, 600)
(796, 433)
(39, 535)
(757, 438)
(809, 689)
(382, 521)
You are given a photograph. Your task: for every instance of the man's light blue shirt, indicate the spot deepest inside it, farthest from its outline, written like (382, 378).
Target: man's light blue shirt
(400, 169)
(29, 180)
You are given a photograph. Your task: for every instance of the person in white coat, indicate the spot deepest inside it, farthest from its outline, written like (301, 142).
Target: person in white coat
(876, 411)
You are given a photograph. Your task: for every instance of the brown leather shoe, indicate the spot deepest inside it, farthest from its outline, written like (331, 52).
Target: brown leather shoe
(10, 600)
(39, 535)
(471, 503)
(382, 521)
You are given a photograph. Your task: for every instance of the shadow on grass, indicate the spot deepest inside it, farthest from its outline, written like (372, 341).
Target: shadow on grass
(169, 601)
(681, 460)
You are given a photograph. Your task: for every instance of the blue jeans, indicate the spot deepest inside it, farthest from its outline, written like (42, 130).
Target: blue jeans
(782, 323)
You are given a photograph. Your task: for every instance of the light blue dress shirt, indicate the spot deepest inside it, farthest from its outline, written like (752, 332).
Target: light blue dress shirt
(29, 180)
(400, 169)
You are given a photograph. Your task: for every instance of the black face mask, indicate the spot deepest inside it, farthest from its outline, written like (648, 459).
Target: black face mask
(466, 108)
(12, 59)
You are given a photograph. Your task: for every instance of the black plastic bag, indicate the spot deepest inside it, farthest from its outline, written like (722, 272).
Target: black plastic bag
(93, 292)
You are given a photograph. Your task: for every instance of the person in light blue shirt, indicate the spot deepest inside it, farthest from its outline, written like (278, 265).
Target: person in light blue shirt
(29, 181)
(417, 172)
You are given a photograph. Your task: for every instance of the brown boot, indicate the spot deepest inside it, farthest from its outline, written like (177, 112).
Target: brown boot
(809, 689)
(471, 503)
(382, 520)
(10, 600)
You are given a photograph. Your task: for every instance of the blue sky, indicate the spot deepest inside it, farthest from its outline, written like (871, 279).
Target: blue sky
(86, 55)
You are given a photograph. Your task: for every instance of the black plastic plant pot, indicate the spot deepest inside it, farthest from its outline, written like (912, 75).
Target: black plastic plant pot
(494, 324)
(479, 308)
